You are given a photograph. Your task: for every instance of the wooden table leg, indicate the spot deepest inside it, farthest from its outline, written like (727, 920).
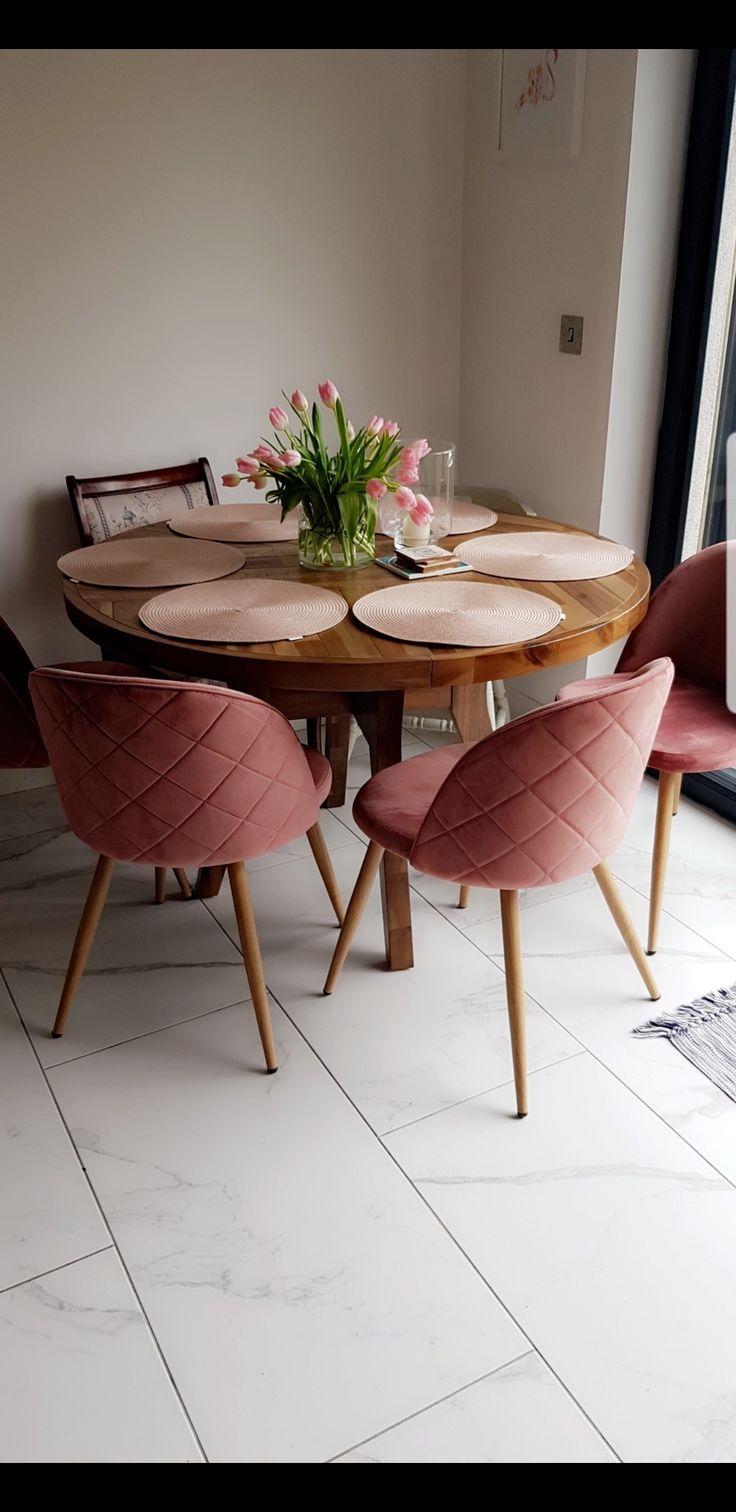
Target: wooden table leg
(380, 718)
(337, 746)
(209, 881)
(470, 711)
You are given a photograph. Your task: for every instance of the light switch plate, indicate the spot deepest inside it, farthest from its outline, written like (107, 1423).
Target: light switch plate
(571, 334)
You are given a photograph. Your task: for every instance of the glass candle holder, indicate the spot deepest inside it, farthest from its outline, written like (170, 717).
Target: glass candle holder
(436, 482)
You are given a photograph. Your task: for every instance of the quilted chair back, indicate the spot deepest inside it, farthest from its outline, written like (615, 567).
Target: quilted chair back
(686, 620)
(549, 795)
(20, 741)
(172, 774)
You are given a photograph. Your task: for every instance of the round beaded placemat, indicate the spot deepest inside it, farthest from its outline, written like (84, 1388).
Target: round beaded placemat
(150, 562)
(244, 611)
(236, 522)
(545, 556)
(458, 614)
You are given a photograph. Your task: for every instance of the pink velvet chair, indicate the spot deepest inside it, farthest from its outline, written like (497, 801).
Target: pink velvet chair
(687, 622)
(21, 744)
(178, 774)
(544, 799)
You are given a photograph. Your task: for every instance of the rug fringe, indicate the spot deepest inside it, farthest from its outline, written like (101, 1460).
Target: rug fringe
(712, 1006)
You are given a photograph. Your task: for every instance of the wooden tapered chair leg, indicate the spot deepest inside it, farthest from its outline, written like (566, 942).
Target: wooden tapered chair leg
(676, 796)
(183, 880)
(322, 857)
(464, 898)
(356, 908)
(252, 957)
(514, 968)
(91, 914)
(160, 883)
(625, 925)
(668, 788)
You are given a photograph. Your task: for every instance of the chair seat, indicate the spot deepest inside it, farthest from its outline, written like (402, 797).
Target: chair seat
(321, 772)
(391, 807)
(696, 733)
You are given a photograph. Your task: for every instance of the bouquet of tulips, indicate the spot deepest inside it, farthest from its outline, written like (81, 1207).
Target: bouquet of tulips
(339, 490)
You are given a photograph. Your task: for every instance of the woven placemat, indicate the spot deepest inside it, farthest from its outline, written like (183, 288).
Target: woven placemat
(545, 556)
(458, 614)
(468, 518)
(244, 611)
(150, 562)
(236, 522)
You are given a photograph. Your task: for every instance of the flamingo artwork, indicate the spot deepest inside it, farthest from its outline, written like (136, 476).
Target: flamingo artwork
(541, 83)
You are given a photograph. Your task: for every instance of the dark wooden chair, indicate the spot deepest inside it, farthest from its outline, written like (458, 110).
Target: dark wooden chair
(104, 507)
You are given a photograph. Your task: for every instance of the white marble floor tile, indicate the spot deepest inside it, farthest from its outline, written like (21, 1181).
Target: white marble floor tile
(404, 1043)
(335, 835)
(610, 1240)
(701, 874)
(24, 813)
(484, 902)
(579, 970)
(48, 1215)
(520, 1415)
(81, 1380)
(149, 966)
(304, 1297)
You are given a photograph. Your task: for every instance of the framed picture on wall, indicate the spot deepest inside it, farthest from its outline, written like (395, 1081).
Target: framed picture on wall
(540, 93)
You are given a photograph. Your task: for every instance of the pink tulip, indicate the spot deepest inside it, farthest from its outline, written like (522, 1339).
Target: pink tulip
(300, 402)
(421, 449)
(409, 457)
(375, 488)
(260, 480)
(328, 394)
(265, 454)
(374, 426)
(231, 480)
(247, 465)
(278, 417)
(390, 428)
(405, 498)
(407, 475)
(290, 459)
(422, 511)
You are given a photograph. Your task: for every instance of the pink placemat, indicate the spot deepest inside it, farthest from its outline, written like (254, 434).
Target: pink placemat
(244, 611)
(545, 556)
(468, 518)
(150, 562)
(458, 614)
(236, 522)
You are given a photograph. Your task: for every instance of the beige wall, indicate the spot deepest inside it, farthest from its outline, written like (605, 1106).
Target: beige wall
(542, 237)
(186, 232)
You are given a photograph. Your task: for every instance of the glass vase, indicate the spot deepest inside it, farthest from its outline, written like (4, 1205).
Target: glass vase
(436, 482)
(339, 533)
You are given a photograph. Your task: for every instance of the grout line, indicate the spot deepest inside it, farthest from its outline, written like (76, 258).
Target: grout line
(454, 1241)
(41, 1275)
(410, 1416)
(681, 922)
(113, 1245)
(473, 1096)
(147, 1034)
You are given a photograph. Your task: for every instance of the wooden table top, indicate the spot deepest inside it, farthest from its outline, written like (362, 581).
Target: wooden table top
(597, 612)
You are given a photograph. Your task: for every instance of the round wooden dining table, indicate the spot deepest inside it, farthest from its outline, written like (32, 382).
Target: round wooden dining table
(351, 671)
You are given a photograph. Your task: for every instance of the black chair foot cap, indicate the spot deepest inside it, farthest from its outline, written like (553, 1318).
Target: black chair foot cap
(55, 1034)
(271, 1070)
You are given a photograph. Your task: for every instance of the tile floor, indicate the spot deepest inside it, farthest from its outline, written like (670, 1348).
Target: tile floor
(365, 1259)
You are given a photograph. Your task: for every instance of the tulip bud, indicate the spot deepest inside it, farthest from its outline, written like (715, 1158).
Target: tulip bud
(375, 488)
(231, 480)
(328, 394)
(278, 417)
(405, 498)
(300, 402)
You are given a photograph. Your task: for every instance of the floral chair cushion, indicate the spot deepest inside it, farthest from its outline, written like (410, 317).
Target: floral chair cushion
(109, 514)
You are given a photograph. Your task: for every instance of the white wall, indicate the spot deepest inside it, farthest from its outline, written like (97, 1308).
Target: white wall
(661, 118)
(574, 437)
(542, 237)
(186, 232)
